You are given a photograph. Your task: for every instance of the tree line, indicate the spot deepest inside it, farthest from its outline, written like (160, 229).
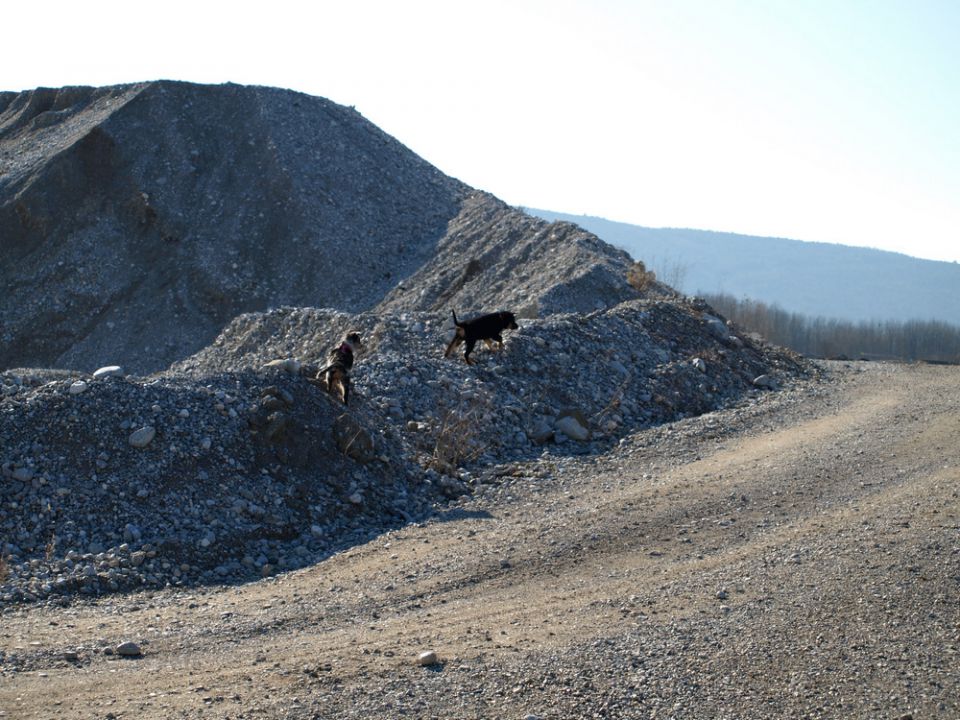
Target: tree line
(931, 341)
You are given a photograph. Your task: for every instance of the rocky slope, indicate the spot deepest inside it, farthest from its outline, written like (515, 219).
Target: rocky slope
(233, 464)
(138, 220)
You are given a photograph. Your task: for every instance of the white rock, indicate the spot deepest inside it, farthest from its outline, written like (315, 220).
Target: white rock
(78, 387)
(427, 657)
(290, 365)
(128, 649)
(699, 364)
(142, 437)
(108, 371)
(572, 428)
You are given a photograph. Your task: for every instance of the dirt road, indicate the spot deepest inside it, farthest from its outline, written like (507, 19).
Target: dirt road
(795, 558)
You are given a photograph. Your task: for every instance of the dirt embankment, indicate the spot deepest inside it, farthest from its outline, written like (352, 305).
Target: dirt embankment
(796, 557)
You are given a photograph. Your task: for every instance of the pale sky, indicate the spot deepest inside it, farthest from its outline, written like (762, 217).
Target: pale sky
(825, 120)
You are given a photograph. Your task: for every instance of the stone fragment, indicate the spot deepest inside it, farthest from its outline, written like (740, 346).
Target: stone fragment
(288, 365)
(541, 432)
(353, 440)
(108, 371)
(142, 437)
(427, 658)
(574, 425)
(128, 649)
(717, 326)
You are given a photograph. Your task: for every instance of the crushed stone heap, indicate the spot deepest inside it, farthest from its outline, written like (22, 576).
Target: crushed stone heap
(233, 464)
(137, 220)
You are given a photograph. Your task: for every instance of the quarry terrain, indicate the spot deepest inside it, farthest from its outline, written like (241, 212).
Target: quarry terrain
(633, 508)
(797, 557)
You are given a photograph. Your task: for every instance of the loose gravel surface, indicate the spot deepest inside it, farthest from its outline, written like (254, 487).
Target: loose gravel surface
(797, 557)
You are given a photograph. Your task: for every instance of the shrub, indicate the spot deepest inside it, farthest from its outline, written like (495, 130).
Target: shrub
(455, 437)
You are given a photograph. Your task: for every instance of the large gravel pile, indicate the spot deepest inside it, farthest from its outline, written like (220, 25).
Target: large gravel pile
(233, 464)
(138, 220)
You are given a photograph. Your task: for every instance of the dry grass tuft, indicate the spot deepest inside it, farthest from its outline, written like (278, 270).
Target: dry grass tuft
(50, 550)
(456, 436)
(639, 277)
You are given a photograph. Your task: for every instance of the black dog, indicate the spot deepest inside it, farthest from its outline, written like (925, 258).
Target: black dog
(486, 327)
(336, 376)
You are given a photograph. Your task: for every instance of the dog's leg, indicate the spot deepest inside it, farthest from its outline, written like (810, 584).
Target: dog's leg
(454, 344)
(468, 350)
(345, 386)
(335, 381)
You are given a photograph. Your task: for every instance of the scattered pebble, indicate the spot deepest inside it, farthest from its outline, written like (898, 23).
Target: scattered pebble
(426, 658)
(128, 649)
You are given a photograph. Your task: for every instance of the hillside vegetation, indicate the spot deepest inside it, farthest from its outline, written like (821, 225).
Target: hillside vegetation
(826, 338)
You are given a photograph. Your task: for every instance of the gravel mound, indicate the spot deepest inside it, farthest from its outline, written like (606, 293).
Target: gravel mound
(233, 464)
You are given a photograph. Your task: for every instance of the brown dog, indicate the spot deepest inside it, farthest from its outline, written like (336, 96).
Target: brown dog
(488, 328)
(336, 376)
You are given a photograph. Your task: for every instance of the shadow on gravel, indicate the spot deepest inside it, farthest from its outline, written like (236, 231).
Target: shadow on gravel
(454, 514)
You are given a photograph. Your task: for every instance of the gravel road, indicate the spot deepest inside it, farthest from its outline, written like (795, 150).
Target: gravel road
(795, 557)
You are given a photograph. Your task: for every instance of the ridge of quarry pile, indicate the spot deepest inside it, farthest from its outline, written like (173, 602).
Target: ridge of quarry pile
(138, 220)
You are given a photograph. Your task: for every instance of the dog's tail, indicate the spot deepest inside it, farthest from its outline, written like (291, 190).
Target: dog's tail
(455, 321)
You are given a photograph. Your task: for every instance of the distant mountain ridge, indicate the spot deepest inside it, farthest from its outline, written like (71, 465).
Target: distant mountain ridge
(815, 279)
